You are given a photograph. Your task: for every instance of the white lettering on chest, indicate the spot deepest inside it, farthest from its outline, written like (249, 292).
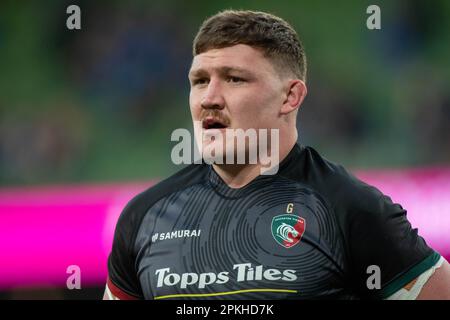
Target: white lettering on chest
(177, 234)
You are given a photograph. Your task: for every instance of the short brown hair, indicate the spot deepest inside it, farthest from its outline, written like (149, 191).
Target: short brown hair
(274, 36)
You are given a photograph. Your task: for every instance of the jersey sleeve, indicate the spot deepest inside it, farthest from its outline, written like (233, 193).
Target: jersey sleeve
(122, 276)
(380, 235)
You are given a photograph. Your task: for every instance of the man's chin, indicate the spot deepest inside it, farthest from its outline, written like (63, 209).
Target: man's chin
(213, 151)
(216, 153)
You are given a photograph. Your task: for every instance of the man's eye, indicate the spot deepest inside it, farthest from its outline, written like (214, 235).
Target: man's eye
(235, 79)
(199, 81)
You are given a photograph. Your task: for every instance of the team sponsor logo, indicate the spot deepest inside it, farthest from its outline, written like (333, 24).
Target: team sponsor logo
(175, 235)
(244, 272)
(288, 229)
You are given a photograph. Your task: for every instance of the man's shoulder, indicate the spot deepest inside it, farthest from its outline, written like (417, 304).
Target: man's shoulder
(313, 168)
(334, 181)
(139, 205)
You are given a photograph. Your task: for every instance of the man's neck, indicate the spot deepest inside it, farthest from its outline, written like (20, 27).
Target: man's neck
(239, 175)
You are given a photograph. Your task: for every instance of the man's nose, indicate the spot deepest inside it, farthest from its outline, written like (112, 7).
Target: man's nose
(213, 98)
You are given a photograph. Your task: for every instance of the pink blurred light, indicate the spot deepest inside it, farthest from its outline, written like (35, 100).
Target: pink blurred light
(45, 230)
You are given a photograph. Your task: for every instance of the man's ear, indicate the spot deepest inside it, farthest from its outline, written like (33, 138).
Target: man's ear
(295, 94)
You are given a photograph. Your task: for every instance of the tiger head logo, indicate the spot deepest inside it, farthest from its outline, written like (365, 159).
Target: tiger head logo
(287, 232)
(288, 229)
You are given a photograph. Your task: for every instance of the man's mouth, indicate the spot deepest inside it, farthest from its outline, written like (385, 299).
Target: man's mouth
(213, 123)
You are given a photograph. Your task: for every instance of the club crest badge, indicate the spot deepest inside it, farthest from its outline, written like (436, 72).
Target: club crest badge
(288, 229)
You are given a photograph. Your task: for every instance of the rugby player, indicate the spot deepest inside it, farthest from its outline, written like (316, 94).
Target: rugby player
(311, 230)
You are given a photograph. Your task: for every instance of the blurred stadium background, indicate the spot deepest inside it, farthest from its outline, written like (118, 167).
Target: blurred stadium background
(86, 117)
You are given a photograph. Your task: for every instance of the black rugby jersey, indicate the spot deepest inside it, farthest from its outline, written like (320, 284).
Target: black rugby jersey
(310, 231)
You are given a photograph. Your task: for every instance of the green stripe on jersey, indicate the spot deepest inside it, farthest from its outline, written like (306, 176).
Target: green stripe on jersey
(405, 278)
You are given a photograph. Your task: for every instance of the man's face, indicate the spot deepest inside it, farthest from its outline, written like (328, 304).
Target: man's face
(235, 88)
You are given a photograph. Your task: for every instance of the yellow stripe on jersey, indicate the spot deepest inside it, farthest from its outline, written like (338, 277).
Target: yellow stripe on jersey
(185, 295)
